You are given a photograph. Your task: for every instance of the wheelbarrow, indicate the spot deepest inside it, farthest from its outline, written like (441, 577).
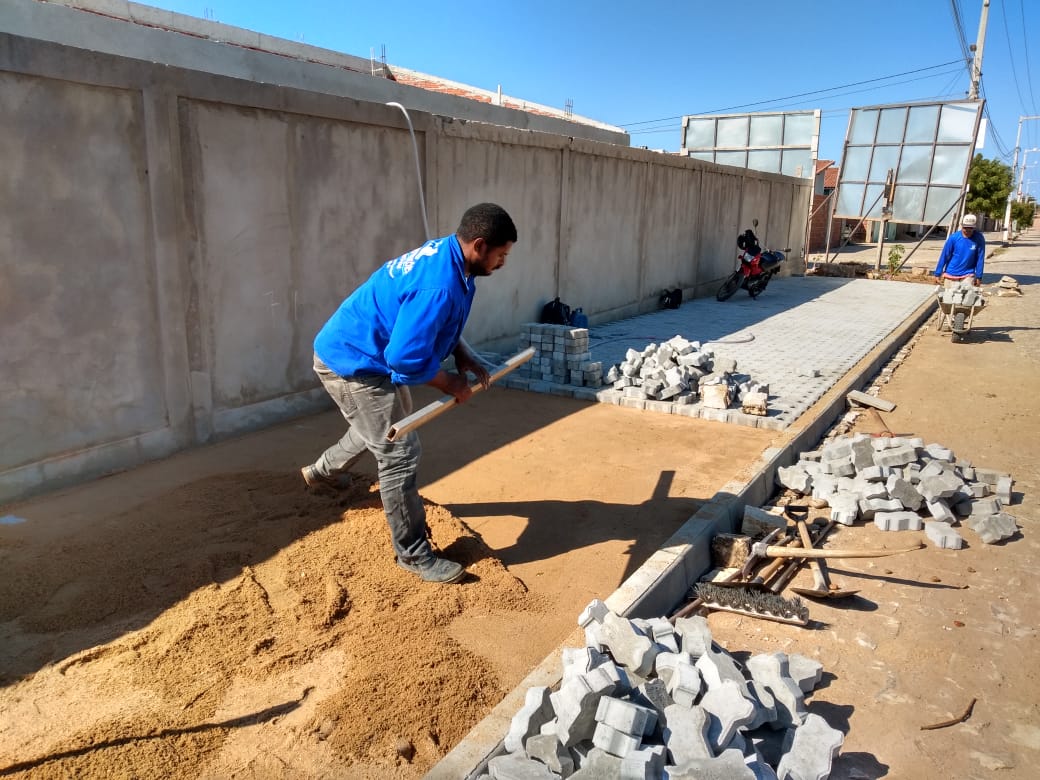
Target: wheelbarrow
(958, 303)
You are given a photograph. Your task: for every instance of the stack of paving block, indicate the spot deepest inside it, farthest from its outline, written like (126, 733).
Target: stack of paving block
(646, 699)
(903, 484)
(561, 356)
(681, 371)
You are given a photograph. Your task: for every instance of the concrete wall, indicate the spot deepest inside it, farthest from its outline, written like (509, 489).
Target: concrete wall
(171, 240)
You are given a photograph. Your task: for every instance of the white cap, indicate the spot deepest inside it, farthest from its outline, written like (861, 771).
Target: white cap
(968, 221)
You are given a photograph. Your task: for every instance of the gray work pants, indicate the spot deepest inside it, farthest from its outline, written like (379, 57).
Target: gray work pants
(371, 404)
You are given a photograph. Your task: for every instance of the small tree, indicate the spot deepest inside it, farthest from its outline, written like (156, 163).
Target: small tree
(990, 182)
(1022, 213)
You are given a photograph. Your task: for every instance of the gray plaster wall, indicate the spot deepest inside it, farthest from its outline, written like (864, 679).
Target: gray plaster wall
(171, 240)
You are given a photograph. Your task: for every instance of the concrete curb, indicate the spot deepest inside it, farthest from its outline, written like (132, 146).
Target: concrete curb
(657, 586)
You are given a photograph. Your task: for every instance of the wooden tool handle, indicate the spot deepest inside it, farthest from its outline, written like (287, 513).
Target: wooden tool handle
(408, 424)
(772, 551)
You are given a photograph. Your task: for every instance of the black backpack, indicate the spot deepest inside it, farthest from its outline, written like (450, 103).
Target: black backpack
(671, 299)
(555, 312)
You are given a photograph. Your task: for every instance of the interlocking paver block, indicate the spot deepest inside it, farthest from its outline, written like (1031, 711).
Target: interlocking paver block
(844, 507)
(729, 711)
(938, 452)
(717, 665)
(897, 521)
(839, 449)
(513, 766)
(806, 672)
(765, 705)
(576, 703)
(1004, 489)
(663, 633)
(940, 510)
(615, 742)
(862, 454)
(985, 506)
(547, 749)
(810, 750)
(993, 528)
(899, 456)
(647, 763)
(593, 613)
(628, 645)
(665, 663)
(626, 716)
(684, 686)
(536, 712)
(823, 487)
(794, 478)
(580, 660)
(686, 733)
(872, 474)
(728, 766)
(696, 635)
(943, 535)
(906, 493)
(773, 673)
(598, 765)
(943, 485)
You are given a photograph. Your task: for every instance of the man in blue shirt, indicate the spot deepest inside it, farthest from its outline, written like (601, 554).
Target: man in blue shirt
(392, 332)
(963, 255)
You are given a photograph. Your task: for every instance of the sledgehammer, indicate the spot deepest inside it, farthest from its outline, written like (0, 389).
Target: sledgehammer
(408, 424)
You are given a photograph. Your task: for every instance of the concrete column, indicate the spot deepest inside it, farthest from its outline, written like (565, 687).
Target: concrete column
(166, 201)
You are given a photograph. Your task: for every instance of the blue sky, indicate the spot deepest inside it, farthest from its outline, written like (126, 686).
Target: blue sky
(651, 62)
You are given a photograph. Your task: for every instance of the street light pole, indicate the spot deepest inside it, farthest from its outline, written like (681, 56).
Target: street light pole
(1014, 171)
(1022, 172)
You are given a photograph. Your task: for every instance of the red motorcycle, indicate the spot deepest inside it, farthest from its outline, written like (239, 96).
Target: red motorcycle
(757, 267)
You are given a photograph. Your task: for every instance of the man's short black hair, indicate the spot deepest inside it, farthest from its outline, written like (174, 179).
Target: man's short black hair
(488, 221)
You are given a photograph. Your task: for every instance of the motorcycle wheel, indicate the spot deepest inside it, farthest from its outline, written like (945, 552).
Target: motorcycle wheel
(730, 286)
(758, 286)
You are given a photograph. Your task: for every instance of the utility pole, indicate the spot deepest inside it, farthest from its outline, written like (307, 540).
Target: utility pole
(1022, 172)
(1014, 172)
(980, 44)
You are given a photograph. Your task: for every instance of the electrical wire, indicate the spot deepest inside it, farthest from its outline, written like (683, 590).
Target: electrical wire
(791, 97)
(1025, 48)
(1011, 58)
(793, 106)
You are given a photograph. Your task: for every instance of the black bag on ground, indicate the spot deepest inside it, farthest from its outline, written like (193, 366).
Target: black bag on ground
(671, 299)
(555, 312)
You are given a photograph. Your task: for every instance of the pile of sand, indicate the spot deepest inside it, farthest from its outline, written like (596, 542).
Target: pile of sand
(240, 626)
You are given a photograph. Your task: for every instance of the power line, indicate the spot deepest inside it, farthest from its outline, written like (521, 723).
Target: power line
(1025, 48)
(800, 94)
(1011, 57)
(664, 127)
(959, 27)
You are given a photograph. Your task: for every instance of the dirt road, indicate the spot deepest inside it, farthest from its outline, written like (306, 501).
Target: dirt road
(933, 630)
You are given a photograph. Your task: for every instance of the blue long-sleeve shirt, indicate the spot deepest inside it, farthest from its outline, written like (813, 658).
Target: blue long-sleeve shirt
(404, 320)
(962, 255)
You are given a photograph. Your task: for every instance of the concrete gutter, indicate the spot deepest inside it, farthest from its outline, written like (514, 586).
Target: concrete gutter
(663, 581)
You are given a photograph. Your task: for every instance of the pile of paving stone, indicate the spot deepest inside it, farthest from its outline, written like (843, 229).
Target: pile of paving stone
(646, 699)
(902, 483)
(1008, 286)
(682, 371)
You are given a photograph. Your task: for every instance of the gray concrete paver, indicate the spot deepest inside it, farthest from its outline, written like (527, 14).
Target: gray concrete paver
(799, 327)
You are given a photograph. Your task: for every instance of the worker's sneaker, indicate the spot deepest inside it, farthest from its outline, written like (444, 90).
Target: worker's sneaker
(434, 569)
(316, 479)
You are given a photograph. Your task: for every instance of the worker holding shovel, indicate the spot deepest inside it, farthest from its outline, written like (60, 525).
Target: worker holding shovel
(392, 332)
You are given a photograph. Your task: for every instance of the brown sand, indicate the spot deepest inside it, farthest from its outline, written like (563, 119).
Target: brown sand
(294, 611)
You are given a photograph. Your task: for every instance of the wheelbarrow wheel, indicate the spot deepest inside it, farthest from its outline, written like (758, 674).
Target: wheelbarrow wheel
(957, 327)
